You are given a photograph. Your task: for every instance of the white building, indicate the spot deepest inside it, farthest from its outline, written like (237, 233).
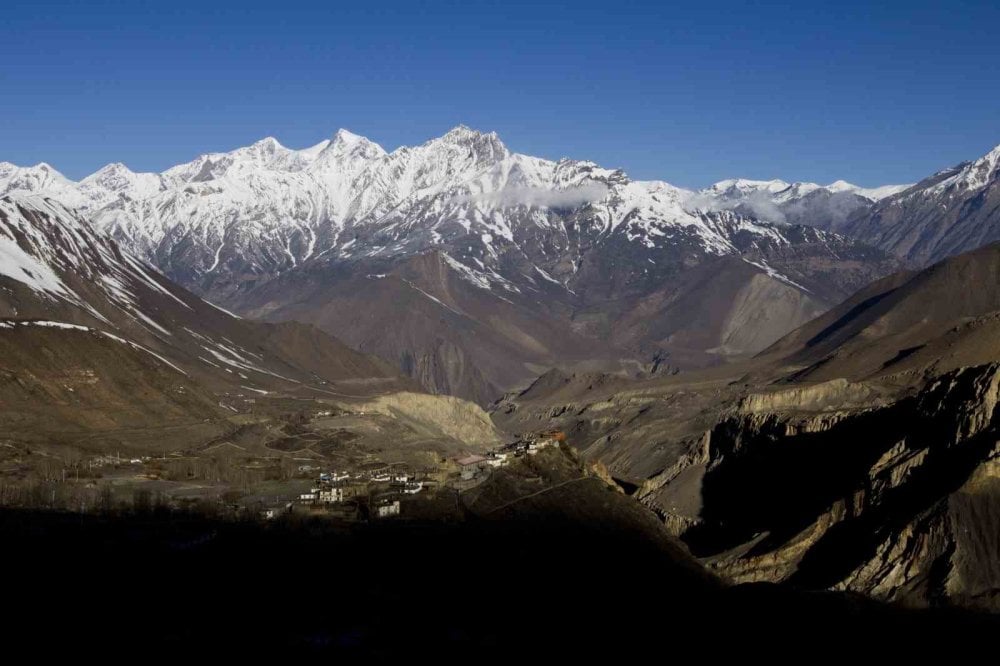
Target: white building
(536, 446)
(498, 459)
(331, 495)
(471, 466)
(388, 509)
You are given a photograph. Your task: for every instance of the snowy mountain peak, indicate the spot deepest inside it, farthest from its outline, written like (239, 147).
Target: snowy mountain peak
(116, 180)
(981, 171)
(842, 186)
(482, 142)
(347, 142)
(870, 193)
(48, 169)
(115, 176)
(778, 191)
(992, 157)
(268, 152)
(952, 211)
(52, 252)
(345, 137)
(37, 178)
(265, 209)
(969, 176)
(268, 145)
(747, 185)
(114, 167)
(113, 170)
(459, 132)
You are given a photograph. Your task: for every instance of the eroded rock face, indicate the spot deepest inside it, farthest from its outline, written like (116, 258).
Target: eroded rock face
(898, 501)
(883, 487)
(858, 453)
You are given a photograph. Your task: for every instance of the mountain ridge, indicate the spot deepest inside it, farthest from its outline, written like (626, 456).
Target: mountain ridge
(567, 243)
(110, 195)
(72, 297)
(953, 211)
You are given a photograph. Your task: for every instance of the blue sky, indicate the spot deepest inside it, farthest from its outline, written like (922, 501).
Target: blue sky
(688, 92)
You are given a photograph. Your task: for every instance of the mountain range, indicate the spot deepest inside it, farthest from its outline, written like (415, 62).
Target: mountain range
(473, 268)
(952, 211)
(499, 265)
(834, 425)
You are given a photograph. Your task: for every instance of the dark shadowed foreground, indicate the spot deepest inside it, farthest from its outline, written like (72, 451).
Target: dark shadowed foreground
(539, 583)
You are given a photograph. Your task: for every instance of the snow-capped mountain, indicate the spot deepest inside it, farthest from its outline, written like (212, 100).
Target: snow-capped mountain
(823, 206)
(457, 229)
(951, 212)
(226, 220)
(780, 191)
(88, 326)
(40, 178)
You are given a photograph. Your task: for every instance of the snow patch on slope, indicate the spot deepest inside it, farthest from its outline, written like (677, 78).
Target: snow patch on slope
(776, 275)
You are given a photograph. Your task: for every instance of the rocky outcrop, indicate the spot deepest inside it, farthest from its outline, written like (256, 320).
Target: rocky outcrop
(438, 416)
(811, 397)
(885, 487)
(897, 501)
(857, 453)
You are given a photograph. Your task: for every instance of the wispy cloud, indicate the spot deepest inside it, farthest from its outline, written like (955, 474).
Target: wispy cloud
(835, 208)
(570, 197)
(757, 203)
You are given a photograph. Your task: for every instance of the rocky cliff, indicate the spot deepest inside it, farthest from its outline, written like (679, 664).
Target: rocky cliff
(893, 500)
(859, 453)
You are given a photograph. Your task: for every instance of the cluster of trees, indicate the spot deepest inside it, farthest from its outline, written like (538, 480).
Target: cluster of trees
(243, 473)
(41, 493)
(105, 499)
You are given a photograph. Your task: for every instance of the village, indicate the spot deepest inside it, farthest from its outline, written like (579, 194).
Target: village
(224, 480)
(381, 490)
(378, 486)
(476, 468)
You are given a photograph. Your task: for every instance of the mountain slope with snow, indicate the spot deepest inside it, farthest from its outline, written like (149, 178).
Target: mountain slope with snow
(566, 249)
(228, 221)
(94, 337)
(822, 206)
(953, 211)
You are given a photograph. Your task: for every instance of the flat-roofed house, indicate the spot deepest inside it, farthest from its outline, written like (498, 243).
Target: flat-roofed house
(331, 495)
(470, 466)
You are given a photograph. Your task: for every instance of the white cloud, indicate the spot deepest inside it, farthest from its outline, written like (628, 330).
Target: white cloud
(758, 203)
(570, 197)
